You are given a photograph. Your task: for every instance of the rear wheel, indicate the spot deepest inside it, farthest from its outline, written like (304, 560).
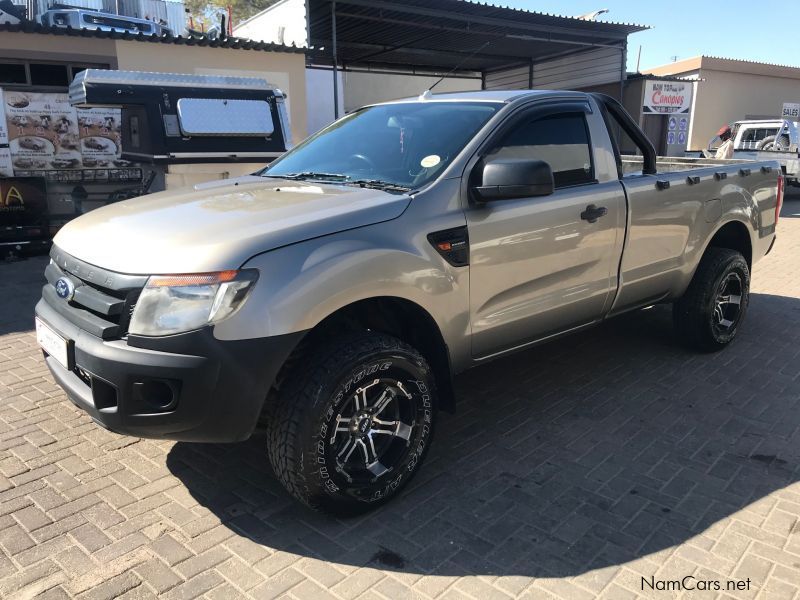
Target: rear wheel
(708, 316)
(352, 423)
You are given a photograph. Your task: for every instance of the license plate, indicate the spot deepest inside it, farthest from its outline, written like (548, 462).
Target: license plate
(52, 343)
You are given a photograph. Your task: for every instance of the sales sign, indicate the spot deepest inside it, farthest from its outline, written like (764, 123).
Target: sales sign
(667, 97)
(791, 110)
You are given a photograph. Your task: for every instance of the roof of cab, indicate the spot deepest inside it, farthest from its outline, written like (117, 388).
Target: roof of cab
(504, 96)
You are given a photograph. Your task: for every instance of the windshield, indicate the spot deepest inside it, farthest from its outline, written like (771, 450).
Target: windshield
(400, 145)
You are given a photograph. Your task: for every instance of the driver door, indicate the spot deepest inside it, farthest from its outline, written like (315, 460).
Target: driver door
(537, 266)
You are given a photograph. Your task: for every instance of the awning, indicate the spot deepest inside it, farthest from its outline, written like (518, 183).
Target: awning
(440, 35)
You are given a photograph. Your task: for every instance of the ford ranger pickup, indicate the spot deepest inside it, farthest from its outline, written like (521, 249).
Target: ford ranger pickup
(331, 297)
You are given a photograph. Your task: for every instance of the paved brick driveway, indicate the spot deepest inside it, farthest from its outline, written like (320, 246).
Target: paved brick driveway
(571, 471)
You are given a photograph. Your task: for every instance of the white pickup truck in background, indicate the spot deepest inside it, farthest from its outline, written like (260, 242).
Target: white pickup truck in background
(764, 139)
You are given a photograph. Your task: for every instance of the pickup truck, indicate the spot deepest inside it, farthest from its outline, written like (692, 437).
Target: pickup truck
(332, 296)
(772, 139)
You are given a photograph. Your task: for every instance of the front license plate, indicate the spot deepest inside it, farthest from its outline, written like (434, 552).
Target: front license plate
(52, 343)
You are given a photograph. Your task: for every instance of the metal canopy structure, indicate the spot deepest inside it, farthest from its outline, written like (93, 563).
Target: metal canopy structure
(441, 35)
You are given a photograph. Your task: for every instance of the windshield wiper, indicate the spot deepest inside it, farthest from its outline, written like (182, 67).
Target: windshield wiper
(379, 184)
(310, 175)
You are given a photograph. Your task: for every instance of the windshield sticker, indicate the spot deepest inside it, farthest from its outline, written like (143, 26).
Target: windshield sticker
(430, 161)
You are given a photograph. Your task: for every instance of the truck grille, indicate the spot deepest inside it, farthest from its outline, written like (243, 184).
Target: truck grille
(103, 301)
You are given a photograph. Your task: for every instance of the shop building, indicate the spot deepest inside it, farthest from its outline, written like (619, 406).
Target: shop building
(37, 65)
(728, 90)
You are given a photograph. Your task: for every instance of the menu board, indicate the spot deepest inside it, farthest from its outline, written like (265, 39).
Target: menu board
(46, 132)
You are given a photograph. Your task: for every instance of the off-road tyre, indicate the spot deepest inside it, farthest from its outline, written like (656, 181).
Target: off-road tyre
(777, 143)
(306, 435)
(701, 322)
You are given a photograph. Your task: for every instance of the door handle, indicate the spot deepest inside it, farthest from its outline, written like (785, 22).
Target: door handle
(592, 213)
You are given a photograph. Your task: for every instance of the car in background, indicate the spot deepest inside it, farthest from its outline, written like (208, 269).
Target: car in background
(765, 139)
(80, 18)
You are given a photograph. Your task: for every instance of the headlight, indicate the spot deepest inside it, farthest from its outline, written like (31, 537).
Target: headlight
(178, 303)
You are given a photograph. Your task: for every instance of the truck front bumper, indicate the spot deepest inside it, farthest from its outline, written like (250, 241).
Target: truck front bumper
(188, 387)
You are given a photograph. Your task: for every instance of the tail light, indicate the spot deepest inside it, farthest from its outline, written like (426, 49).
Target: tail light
(781, 184)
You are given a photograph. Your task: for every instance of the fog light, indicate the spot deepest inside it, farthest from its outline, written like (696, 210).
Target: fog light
(158, 393)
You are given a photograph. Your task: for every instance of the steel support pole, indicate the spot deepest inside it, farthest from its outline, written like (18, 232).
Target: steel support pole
(335, 62)
(530, 74)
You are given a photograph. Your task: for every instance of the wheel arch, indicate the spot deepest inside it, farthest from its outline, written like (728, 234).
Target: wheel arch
(396, 316)
(733, 235)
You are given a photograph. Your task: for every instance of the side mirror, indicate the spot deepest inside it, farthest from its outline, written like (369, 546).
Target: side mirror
(509, 178)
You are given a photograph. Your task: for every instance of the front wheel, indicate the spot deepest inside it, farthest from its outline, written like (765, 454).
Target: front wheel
(708, 316)
(352, 423)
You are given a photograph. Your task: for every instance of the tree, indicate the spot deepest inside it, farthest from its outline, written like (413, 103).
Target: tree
(206, 12)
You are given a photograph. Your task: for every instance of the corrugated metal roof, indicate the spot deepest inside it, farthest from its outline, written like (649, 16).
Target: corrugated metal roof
(636, 26)
(443, 34)
(751, 62)
(178, 40)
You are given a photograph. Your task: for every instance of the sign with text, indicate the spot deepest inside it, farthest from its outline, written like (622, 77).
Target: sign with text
(45, 132)
(42, 131)
(6, 168)
(667, 97)
(791, 110)
(23, 201)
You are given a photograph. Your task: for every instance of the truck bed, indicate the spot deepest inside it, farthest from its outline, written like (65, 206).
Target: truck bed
(673, 213)
(671, 164)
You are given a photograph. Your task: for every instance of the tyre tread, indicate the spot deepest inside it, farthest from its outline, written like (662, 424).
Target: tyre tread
(288, 410)
(688, 316)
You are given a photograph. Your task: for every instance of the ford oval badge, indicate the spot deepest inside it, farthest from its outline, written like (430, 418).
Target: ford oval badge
(65, 288)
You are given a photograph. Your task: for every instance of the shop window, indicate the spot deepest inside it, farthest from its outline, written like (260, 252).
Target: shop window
(13, 73)
(49, 74)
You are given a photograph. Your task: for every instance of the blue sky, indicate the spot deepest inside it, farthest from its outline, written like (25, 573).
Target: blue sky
(761, 30)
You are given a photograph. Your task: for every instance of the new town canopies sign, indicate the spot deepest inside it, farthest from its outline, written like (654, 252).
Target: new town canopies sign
(667, 97)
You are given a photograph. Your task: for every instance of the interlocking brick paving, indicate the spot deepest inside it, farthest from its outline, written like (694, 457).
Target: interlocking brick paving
(573, 470)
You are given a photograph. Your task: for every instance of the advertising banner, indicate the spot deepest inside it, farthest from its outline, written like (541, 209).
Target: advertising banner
(99, 130)
(45, 132)
(6, 168)
(23, 201)
(667, 97)
(677, 134)
(42, 131)
(3, 129)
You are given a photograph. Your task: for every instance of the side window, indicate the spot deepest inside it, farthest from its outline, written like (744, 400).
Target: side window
(561, 140)
(755, 134)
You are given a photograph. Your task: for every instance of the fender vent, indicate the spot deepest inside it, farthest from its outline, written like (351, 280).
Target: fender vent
(452, 245)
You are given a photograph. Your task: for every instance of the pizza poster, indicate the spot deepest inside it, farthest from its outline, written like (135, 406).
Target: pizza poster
(46, 132)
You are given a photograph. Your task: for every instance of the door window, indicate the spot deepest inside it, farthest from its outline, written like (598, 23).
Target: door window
(561, 140)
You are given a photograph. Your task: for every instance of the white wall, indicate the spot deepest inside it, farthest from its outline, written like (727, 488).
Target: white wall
(369, 88)
(319, 98)
(282, 23)
(725, 96)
